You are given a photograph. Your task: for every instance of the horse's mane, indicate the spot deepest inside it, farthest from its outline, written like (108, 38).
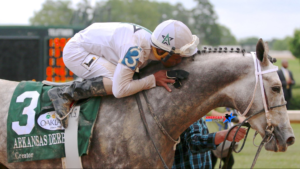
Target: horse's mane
(221, 50)
(154, 66)
(228, 50)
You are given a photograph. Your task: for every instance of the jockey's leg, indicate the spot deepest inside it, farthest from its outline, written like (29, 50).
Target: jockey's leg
(95, 69)
(62, 97)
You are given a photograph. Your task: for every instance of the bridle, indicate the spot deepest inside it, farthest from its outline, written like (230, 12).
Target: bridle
(269, 129)
(258, 78)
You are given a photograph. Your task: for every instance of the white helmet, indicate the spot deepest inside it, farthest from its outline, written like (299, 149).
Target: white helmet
(172, 33)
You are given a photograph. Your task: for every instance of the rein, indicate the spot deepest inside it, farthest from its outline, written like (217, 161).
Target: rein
(269, 129)
(138, 99)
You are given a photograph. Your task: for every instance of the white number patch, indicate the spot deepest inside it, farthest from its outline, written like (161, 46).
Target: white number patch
(29, 111)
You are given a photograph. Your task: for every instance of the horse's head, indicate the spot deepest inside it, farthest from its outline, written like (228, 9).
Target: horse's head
(276, 115)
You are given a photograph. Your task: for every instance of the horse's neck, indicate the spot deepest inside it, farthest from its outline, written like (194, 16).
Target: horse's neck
(208, 87)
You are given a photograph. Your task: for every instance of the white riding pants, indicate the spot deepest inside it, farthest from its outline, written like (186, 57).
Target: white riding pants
(76, 59)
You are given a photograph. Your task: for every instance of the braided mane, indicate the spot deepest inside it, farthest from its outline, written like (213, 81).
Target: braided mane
(210, 50)
(221, 50)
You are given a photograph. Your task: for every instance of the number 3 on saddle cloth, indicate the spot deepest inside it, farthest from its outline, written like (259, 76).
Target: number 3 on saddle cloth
(33, 132)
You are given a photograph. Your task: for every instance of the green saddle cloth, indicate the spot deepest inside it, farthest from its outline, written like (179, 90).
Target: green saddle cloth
(33, 133)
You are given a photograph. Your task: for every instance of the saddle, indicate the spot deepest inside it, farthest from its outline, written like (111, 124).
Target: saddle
(57, 84)
(33, 136)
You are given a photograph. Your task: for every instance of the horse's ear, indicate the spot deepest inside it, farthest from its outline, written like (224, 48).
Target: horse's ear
(262, 51)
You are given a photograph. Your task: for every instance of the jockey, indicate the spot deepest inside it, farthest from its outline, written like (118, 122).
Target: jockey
(107, 55)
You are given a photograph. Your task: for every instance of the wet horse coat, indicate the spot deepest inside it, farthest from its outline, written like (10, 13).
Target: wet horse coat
(216, 79)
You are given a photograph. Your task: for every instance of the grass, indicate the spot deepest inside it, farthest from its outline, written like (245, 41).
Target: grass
(267, 159)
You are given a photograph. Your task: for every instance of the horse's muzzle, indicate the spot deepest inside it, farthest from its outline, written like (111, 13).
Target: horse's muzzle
(283, 138)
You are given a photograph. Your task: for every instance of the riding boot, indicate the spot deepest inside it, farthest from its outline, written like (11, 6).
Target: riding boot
(62, 97)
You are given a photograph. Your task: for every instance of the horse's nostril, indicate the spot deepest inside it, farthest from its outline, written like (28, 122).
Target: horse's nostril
(290, 141)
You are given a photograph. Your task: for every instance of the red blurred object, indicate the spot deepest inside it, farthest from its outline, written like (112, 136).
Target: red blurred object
(63, 79)
(56, 70)
(63, 42)
(50, 42)
(62, 71)
(51, 61)
(57, 79)
(50, 52)
(57, 52)
(56, 42)
(49, 71)
(49, 79)
(70, 78)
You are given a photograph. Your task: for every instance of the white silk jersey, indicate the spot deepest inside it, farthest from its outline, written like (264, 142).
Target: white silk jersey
(125, 45)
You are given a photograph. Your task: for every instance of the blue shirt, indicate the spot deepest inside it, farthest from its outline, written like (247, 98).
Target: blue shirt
(194, 149)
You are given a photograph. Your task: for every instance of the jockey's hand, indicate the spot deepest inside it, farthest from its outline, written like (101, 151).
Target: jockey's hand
(220, 135)
(162, 80)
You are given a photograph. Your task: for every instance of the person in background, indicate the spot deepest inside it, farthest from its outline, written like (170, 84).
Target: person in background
(196, 142)
(287, 81)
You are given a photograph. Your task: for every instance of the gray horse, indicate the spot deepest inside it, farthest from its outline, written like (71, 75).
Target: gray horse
(216, 79)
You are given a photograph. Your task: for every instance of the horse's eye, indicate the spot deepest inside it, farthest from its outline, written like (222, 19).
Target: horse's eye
(276, 89)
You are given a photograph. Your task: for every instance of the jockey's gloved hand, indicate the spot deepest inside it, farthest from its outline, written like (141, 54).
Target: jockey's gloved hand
(177, 74)
(177, 84)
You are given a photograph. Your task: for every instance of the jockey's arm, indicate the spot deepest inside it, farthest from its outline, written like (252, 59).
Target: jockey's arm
(124, 85)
